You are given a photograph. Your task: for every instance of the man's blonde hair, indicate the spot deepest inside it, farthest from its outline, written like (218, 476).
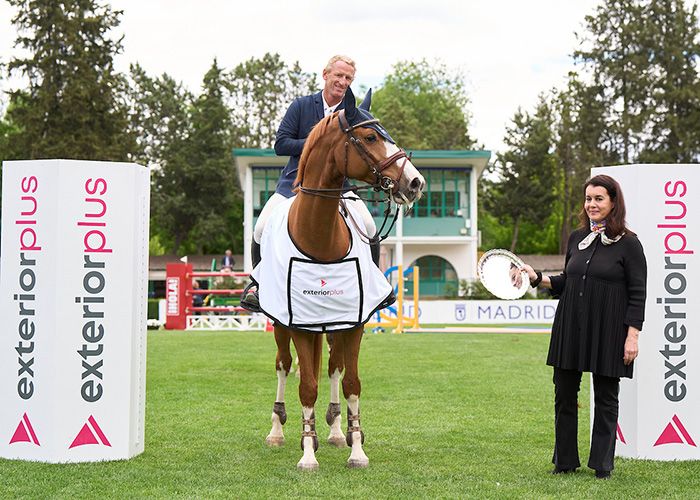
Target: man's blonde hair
(337, 58)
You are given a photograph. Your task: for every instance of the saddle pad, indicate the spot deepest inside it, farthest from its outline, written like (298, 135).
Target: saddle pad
(324, 294)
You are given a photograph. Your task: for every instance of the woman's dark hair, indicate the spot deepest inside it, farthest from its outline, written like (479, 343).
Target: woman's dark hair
(615, 221)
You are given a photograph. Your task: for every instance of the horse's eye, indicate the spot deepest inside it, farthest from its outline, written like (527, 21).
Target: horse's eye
(371, 138)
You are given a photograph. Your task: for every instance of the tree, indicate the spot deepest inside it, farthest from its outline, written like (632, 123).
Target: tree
(194, 188)
(425, 106)
(73, 105)
(159, 115)
(673, 48)
(582, 141)
(216, 189)
(258, 93)
(525, 191)
(160, 119)
(613, 49)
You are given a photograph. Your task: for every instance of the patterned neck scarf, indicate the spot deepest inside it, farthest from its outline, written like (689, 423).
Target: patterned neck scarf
(598, 228)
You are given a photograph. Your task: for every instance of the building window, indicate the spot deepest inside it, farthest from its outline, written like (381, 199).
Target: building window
(264, 184)
(446, 193)
(437, 277)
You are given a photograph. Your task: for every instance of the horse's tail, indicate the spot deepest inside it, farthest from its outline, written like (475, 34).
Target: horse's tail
(318, 351)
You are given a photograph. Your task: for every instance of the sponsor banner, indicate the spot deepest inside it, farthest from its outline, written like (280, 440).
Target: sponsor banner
(73, 287)
(481, 311)
(659, 406)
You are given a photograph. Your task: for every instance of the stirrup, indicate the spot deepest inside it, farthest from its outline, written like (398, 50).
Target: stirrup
(249, 298)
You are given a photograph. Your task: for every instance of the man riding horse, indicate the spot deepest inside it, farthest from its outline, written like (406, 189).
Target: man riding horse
(300, 118)
(317, 273)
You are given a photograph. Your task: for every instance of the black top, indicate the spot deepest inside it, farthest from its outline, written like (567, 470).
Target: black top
(602, 291)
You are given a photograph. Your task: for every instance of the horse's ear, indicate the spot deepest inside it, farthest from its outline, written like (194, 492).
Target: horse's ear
(367, 101)
(349, 104)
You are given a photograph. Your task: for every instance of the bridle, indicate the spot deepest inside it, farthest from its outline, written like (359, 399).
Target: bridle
(381, 182)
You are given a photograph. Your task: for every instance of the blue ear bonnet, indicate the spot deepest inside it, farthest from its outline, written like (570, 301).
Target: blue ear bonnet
(358, 114)
(363, 115)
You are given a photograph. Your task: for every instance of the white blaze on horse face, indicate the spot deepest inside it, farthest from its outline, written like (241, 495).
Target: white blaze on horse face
(411, 183)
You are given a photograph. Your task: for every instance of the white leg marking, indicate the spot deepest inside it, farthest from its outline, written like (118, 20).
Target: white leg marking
(281, 383)
(276, 435)
(336, 436)
(308, 460)
(358, 458)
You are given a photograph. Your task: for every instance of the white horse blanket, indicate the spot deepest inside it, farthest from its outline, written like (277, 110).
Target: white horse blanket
(304, 294)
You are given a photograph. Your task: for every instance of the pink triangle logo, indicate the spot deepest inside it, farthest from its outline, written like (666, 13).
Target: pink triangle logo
(620, 436)
(323, 283)
(90, 433)
(675, 432)
(24, 432)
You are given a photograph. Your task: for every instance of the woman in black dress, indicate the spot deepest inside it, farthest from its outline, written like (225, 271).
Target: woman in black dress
(600, 314)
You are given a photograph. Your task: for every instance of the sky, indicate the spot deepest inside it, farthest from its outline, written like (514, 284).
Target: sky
(509, 51)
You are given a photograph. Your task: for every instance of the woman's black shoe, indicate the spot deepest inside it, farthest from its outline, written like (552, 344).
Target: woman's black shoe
(602, 474)
(557, 470)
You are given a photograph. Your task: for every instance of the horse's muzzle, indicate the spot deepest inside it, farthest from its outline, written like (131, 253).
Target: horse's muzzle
(411, 185)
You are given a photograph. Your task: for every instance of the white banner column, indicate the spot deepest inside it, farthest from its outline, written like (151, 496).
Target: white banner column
(659, 407)
(73, 291)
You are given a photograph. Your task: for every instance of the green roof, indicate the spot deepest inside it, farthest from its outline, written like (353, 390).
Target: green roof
(253, 152)
(427, 153)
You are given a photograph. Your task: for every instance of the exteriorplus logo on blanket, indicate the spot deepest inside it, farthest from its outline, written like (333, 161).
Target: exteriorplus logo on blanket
(328, 292)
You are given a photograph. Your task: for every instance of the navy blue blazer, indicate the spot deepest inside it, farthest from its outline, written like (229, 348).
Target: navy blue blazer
(300, 118)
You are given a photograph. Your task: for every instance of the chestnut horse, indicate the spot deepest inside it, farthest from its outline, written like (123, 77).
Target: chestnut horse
(349, 143)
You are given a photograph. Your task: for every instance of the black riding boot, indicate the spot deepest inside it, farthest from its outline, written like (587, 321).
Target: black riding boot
(374, 245)
(250, 298)
(255, 253)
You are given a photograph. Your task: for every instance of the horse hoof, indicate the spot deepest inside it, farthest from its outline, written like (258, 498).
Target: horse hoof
(337, 441)
(307, 467)
(355, 463)
(274, 441)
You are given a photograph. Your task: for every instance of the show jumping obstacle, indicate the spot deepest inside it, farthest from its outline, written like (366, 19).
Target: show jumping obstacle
(181, 314)
(400, 320)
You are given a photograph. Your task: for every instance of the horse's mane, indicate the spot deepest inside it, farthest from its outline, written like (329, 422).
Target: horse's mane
(316, 133)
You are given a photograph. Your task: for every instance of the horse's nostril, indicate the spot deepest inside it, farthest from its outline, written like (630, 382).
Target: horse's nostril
(416, 184)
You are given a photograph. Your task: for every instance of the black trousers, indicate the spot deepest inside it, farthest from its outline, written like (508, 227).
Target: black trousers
(606, 390)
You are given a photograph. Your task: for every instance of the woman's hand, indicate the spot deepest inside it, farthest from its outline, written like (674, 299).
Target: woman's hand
(516, 277)
(531, 274)
(631, 345)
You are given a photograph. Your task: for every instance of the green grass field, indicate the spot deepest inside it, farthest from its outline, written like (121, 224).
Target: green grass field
(445, 416)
